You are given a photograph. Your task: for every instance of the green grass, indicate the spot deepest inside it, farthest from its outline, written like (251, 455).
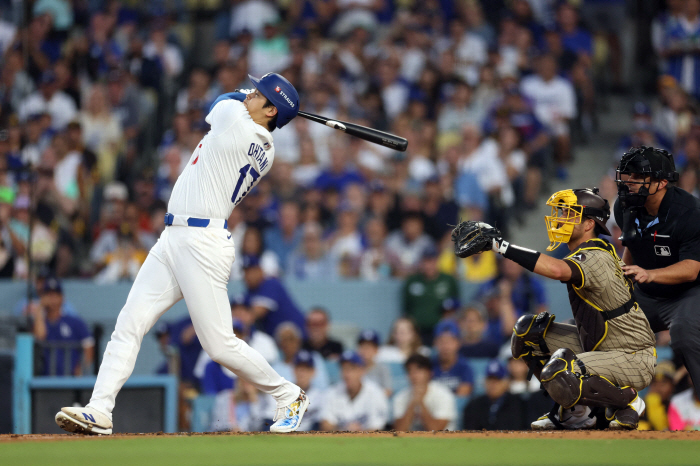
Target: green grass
(338, 450)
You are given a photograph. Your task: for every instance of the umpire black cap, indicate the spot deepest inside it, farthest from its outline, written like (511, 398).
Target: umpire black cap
(648, 161)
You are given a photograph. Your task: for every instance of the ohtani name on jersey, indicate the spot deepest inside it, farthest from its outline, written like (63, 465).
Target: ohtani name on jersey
(258, 153)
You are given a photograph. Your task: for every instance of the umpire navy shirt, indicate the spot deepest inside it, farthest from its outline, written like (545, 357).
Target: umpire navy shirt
(673, 235)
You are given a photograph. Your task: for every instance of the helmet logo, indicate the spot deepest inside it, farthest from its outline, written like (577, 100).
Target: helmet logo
(277, 89)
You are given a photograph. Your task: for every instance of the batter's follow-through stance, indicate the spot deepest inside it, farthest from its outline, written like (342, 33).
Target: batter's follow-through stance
(193, 256)
(609, 355)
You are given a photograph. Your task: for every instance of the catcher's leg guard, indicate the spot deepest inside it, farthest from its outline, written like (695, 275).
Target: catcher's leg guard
(528, 335)
(568, 387)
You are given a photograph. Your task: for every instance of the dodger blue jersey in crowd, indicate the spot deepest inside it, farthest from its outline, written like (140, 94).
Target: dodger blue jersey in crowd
(271, 295)
(461, 372)
(65, 329)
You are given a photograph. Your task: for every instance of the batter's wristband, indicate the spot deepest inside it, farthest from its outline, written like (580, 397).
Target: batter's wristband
(522, 256)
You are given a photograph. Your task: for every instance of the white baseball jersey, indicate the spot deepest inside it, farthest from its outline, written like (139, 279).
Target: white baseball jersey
(227, 163)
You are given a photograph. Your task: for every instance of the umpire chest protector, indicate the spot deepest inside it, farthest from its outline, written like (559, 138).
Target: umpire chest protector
(591, 315)
(666, 239)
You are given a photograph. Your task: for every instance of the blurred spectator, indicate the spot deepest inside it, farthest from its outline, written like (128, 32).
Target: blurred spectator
(404, 341)
(69, 345)
(317, 326)
(425, 404)
(241, 409)
(424, 293)
(345, 242)
(356, 403)
(439, 212)
(286, 236)
(125, 261)
(102, 131)
(680, 47)
(409, 244)
(49, 99)
(7, 237)
(269, 52)
(184, 338)
(449, 368)
(554, 103)
(527, 292)
(311, 261)
(289, 341)
(267, 297)
(518, 371)
(460, 110)
(684, 411)
(658, 398)
(368, 348)
(304, 372)
(497, 409)
(376, 262)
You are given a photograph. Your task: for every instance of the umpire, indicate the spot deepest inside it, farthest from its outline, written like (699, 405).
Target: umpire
(661, 232)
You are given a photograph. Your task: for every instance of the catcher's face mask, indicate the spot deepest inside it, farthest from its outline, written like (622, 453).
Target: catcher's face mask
(566, 214)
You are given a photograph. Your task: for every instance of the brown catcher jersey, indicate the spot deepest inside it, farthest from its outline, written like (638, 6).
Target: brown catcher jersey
(599, 292)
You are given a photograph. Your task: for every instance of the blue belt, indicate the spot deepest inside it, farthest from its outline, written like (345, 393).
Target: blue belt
(182, 220)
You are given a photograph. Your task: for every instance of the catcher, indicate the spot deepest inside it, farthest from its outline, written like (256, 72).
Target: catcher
(609, 355)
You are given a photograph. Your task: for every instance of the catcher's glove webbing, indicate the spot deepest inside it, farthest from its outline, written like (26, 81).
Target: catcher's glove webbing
(472, 237)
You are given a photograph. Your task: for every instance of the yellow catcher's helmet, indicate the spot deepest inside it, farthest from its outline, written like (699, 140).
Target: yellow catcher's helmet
(569, 207)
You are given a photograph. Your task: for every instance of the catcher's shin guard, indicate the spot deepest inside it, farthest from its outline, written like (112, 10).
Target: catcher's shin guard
(568, 387)
(528, 335)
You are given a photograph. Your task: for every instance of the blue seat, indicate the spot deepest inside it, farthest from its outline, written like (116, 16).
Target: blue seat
(664, 353)
(333, 370)
(202, 407)
(478, 366)
(399, 380)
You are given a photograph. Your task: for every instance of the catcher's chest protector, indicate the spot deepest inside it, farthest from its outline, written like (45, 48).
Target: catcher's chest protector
(590, 322)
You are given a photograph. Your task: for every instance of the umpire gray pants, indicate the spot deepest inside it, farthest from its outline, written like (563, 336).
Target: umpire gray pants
(681, 316)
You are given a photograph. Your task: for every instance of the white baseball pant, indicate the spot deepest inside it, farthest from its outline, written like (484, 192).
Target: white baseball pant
(193, 263)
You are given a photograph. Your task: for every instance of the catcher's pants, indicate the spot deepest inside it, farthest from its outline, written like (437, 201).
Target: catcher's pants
(193, 263)
(635, 370)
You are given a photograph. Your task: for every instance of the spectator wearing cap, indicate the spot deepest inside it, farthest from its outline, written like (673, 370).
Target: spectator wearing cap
(289, 341)
(318, 340)
(368, 348)
(497, 409)
(268, 298)
(449, 368)
(311, 260)
(424, 293)
(472, 324)
(356, 403)
(43, 274)
(50, 325)
(425, 404)
(49, 99)
(658, 398)
(304, 372)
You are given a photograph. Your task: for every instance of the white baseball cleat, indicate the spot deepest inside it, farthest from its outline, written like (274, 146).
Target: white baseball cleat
(627, 418)
(575, 418)
(86, 421)
(288, 418)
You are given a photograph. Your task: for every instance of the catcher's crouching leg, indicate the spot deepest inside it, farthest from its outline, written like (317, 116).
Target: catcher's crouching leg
(528, 338)
(568, 388)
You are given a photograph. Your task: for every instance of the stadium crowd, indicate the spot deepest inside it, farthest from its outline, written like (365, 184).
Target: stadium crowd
(104, 101)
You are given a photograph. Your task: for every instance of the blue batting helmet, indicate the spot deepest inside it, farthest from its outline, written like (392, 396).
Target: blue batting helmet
(281, 93)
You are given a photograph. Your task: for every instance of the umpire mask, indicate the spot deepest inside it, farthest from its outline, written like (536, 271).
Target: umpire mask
(639, 166)
(569, 208)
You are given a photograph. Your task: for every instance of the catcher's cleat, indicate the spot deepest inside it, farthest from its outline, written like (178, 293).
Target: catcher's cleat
(576, 418)
(86, 421)
(626, 418)
(288, 418)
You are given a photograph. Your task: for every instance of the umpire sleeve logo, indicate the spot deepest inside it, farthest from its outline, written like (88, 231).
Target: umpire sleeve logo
(662, 250)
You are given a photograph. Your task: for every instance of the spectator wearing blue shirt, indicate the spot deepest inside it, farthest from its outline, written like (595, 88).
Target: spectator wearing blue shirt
(339, 173)
(449, 368)
(184, 338)
(527, 291)
(57, 331)
(267, 297)
(285, 237)
(472, 324)
(573, 37)
(680, 48)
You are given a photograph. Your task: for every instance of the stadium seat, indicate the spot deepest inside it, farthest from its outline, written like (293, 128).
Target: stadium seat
(202, 407)
(333, 370)
(478, 366)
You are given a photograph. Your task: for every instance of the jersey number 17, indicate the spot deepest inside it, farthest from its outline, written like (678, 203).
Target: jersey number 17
(244, 172)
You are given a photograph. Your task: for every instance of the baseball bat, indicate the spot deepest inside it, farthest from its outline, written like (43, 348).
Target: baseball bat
(389, 140)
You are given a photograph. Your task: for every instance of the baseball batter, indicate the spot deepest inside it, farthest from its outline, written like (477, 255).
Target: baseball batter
(193, 256)
(609, 355)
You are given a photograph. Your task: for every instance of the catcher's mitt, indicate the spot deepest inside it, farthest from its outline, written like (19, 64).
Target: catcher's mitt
(472, 237)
